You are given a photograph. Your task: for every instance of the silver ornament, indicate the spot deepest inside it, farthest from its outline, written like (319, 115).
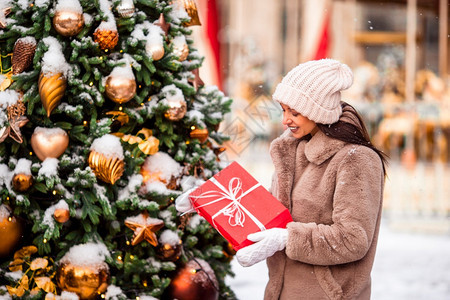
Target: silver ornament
(126, 8)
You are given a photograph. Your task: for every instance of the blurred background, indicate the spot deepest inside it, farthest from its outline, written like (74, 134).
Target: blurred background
(398, 51)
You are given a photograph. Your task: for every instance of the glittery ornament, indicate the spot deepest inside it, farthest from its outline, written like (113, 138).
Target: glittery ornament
(106, 39)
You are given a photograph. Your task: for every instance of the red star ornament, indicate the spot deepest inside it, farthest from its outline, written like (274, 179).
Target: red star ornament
(144, 227)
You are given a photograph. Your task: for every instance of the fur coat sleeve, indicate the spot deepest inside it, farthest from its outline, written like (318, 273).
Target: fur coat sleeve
(356, 201)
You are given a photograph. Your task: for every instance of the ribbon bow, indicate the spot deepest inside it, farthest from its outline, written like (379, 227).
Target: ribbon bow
(235, 211)
(16, 120)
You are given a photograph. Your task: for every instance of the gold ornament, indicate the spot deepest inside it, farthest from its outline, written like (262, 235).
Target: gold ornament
(144, 227)
(68, 23)
(176, 110)
(191, 9)
(106, 39)
(51, 90)
(120, 89)
(7, 80)
(196, 280)
(49, 142)
(87, 281)
(156, 51)
(126, 8)
(61, 215)
(148, 144)
(22, 182)
(200, 134)
(170, 252)
(35, 275)
(23, 54)
(108, 169)
(16, 120)
(119, 116)
(10, 231)
(181, 50)
(6, 11)
(197, 81)
(163, 24)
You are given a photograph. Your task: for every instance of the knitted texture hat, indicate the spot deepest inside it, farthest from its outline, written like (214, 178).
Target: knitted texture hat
(313, 89)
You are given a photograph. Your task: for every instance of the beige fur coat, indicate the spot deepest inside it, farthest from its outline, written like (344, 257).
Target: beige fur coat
(334, 192)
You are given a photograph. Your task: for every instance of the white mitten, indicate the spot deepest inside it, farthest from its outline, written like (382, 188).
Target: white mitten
(267, 243)
(183, 203)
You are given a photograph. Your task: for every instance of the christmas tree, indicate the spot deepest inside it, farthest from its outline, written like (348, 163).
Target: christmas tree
(104, 122)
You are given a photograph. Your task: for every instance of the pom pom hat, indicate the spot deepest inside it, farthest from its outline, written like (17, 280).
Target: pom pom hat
(313, 89)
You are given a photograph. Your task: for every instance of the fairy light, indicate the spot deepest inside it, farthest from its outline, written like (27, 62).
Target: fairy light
(188, 142)
(144, 283)
(91, 83)
(54, 192)
(102, 296)
(131, 257)
(45, 241)
(9, 219)
(121, 51)
(120, 108)
(31, 153)
(128, 243)
(7, 198)
(85, 122)
(137, 298)
(106, 50)
(119, 258)
(192, 127)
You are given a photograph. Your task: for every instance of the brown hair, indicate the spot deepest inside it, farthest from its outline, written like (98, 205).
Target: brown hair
(351, 133)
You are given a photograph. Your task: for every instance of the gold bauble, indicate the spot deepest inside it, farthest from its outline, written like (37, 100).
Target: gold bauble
(168, 252)
(107, 169)
(106, 39)
(22, 182)
(182, 51)
(176, 111)
(155, 50)
(51, 90)
(10, 233)
(200, 133)
(61, 215)
(49, 142)
(68, 23)
(120, 89)
(87, 281)
(196, 280)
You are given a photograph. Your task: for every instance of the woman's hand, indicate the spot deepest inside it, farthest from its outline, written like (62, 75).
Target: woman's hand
(267, 243)
(183, 203)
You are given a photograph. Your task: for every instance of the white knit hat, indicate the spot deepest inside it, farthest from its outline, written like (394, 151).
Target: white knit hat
(313, 89)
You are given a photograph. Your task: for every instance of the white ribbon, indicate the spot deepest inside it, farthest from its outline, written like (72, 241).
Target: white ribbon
(235, 211)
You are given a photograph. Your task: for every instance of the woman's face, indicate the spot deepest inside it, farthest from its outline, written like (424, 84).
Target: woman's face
(297, 124)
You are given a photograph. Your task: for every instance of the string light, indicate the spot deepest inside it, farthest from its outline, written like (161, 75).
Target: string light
(192, 127)
(9, 219)
(188, 142)
(85, 122)
(91, 83)
(120, 108)
(128, 243)
(103, 296)
(119, 258)
(45, 241)
(144, 283)
(7, 198)
(131, 257)
(31, 153)
(54, 192)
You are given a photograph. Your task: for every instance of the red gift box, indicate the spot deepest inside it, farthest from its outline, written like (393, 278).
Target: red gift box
(235, 204)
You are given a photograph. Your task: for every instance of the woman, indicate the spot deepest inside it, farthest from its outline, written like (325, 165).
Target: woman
(331, 178)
